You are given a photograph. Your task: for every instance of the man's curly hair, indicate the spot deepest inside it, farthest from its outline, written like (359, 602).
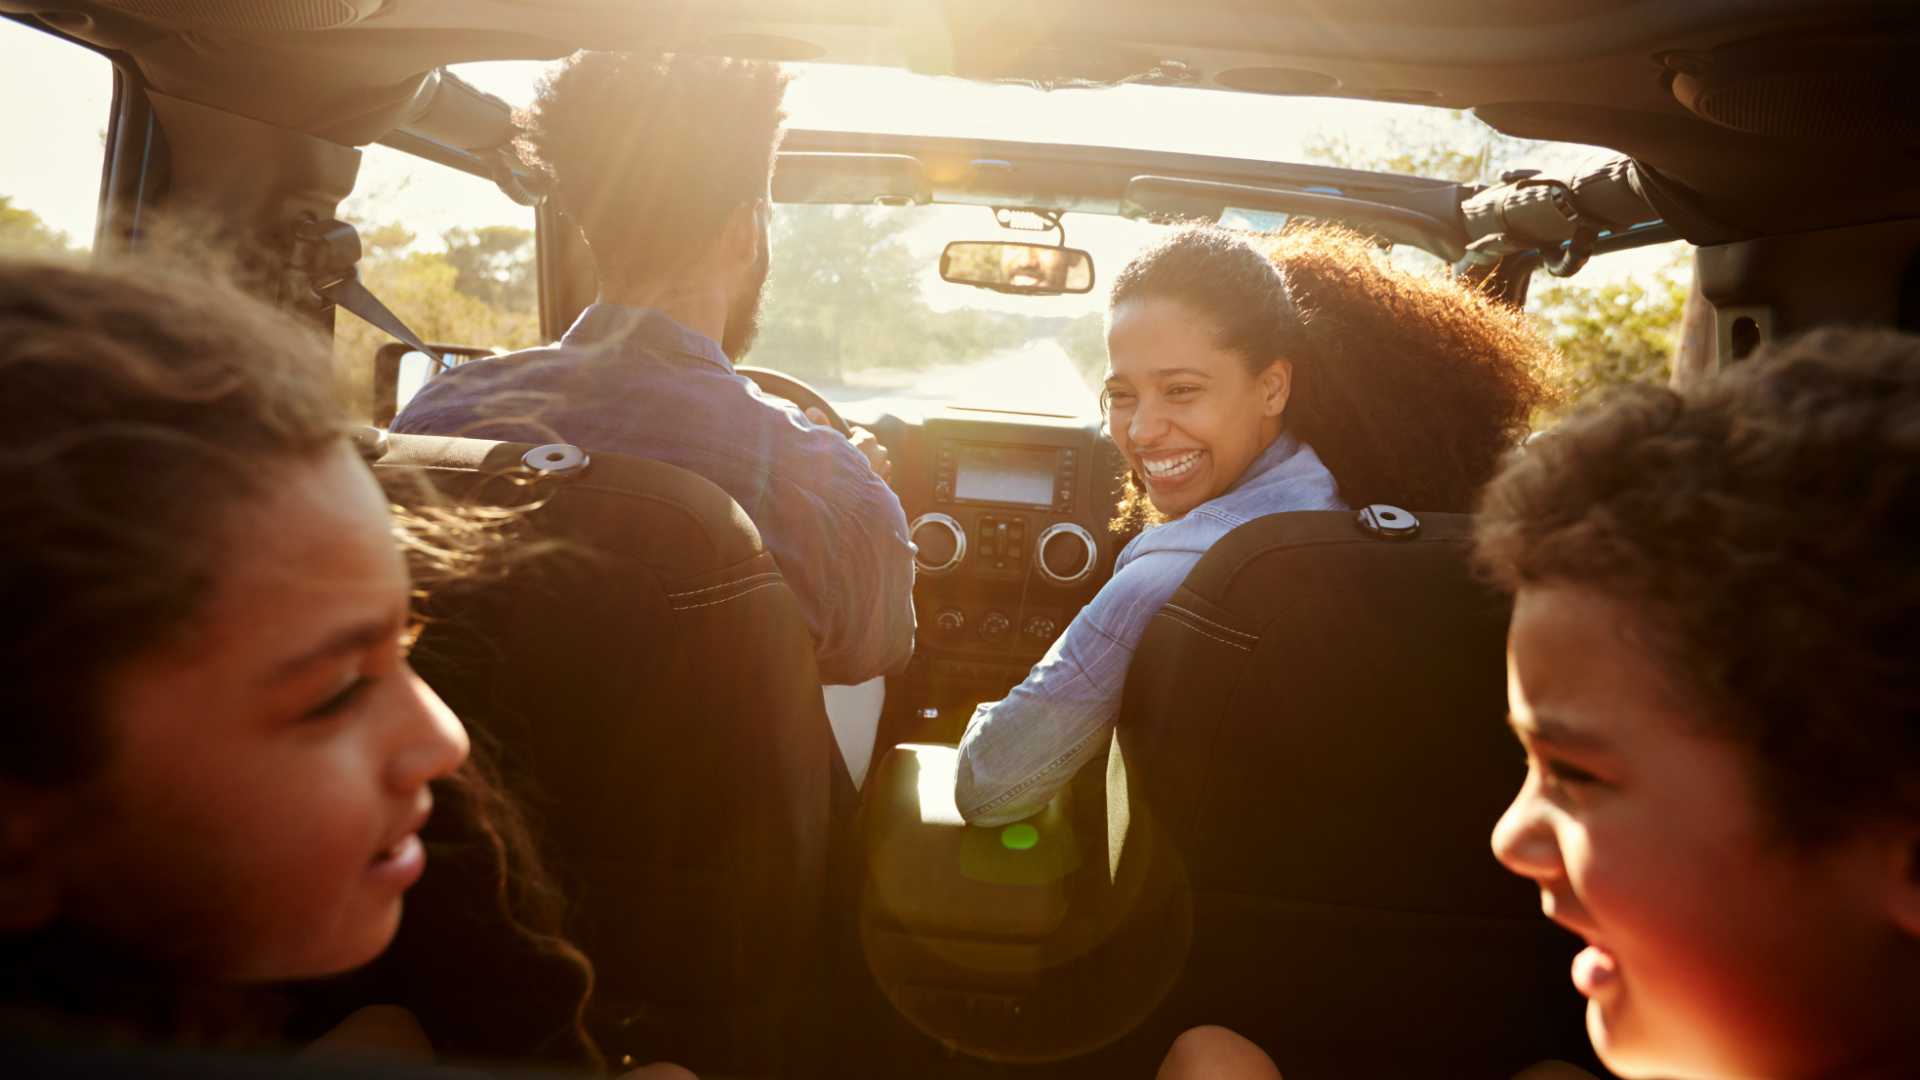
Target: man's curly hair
(649, 154)
(1410, 388)
(1766, 524)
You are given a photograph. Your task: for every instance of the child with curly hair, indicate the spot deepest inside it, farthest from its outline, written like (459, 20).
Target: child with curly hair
(1714, 668)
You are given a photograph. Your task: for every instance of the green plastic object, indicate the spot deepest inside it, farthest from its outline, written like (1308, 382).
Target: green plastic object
(1041, 849)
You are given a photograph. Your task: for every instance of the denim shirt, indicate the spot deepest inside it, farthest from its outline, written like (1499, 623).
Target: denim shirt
(1018, 752)
(631, 381)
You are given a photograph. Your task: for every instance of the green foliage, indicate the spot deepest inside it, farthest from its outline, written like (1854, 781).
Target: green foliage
(844, 296)
(1085, 341)
(481, 291)
(384, 241)
(1611, 336)
(1607, 335)
(22, 232)
(1445, 145)
(496, 265)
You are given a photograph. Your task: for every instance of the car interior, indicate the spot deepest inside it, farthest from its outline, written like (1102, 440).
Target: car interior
(761, 901)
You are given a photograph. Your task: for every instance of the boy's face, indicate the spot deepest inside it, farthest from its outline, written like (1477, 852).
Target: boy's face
(1715, 948)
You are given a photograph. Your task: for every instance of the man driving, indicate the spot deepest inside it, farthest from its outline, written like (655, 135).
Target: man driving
(665, 164)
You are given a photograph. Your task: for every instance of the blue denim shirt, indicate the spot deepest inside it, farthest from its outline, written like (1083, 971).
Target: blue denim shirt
(631, 381)
(1018, 752)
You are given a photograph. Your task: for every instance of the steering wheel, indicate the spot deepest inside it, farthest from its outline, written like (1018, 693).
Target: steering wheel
(792, 389)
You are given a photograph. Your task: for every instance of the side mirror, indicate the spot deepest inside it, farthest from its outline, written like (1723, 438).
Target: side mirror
(1024, 269)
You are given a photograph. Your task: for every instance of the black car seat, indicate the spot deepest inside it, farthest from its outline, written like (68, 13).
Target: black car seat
(1311, 747)
(650, 682)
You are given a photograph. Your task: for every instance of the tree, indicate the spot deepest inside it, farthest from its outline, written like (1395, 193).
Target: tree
(844, 296)
(22, 232)
(1451, 145)
(841, 284)
(424, 289)
(1609, 335)
(495, 264)
(1085, 340)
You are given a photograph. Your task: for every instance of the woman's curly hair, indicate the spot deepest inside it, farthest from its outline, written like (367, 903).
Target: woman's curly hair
(1765, 524)
(141, 408)
(1410, 388)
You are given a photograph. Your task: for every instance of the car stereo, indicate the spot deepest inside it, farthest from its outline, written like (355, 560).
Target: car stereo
(994, 474)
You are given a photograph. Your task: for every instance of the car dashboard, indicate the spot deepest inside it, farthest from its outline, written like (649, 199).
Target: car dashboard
(1009, 515)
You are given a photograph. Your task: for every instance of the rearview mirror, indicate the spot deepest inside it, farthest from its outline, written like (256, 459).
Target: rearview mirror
(1028, 269)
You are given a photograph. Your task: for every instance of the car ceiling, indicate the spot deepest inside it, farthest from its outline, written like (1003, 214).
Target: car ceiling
(1814, 104)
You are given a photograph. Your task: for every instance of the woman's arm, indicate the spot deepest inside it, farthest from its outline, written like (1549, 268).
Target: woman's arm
(1019, 751)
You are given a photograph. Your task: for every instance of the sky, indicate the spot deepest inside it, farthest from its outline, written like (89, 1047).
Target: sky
(55, 98)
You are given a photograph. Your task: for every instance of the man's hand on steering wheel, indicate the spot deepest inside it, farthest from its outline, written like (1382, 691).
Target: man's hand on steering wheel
(863, 441)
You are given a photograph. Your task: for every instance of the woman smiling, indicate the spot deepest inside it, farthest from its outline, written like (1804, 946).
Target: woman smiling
(1308, 373)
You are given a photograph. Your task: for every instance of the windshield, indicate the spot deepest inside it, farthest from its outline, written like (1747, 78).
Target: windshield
(855, 303)
(856, 306)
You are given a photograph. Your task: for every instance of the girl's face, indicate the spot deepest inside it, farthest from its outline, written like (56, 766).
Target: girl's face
(1187, 415)
(258, 817)
(1715, 948)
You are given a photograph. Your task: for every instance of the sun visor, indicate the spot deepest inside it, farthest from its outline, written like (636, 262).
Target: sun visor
(863, 179)
(1167, 198)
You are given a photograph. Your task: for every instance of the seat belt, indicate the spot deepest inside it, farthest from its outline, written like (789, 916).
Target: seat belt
(329, 252)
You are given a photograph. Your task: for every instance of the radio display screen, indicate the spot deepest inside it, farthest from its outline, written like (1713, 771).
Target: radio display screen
(1004, 474)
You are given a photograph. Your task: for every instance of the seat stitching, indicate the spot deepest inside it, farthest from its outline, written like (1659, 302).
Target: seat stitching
(1182, 622)
(725, 584)
(1280, 545)
(724, 599)
(1210, 622)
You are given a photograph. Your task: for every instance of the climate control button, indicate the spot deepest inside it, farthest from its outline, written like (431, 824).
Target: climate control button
(995, 626)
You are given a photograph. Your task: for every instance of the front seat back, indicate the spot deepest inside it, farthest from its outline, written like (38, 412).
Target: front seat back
(1313, 731)
(650, 682)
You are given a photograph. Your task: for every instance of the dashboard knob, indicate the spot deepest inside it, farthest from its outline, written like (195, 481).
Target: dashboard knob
(950, 621)
(1065, 554)
(1041, 629)
(939, 543)
(942, 491)
(995, 626)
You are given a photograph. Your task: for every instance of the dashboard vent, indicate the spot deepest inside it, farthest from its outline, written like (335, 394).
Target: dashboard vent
(252, 14)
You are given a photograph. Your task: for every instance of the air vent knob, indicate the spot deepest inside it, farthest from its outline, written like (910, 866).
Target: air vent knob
(950, 621)
(995, 626)
(939, 544)
(1066, 554)
(1041, 629)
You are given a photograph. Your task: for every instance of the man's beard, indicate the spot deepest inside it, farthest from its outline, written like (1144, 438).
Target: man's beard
(743, 314)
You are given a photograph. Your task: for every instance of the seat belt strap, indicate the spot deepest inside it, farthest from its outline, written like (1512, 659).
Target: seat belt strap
(349, 293)
(329, 252)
